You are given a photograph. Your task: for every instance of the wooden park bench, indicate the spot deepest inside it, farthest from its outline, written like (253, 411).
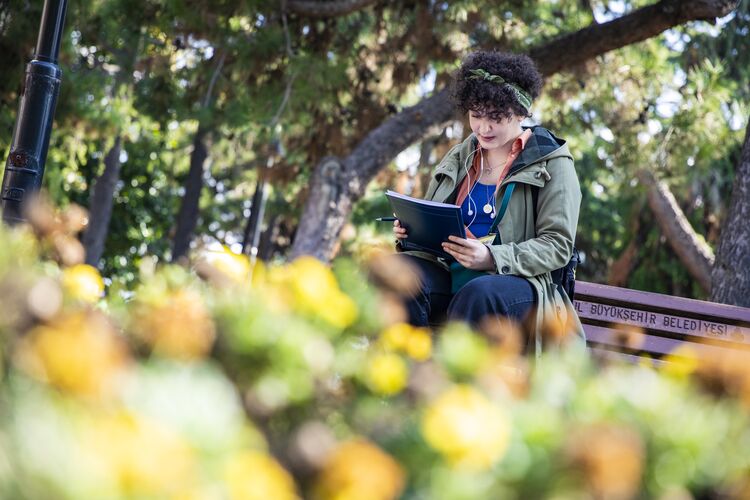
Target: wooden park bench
(634, 325)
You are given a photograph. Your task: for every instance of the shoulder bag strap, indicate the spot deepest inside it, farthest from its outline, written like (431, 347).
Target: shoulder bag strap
(503, 206)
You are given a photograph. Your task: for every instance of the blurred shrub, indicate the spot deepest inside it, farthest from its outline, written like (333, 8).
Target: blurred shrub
(303, 381)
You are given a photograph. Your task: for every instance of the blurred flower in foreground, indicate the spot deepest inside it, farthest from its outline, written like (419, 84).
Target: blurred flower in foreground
(140, 456)
(393, 273)
(506, 337)
(466, 428)
(359, 470)
(74, 219)
(682, 361)
(721, 372)
(725, 373)
(739, 489)
(45, 298)
(224, 266)
(78, 352)
(629, 337)
(58, 229)
(311, 444)
(179, 325)
(316, 292)
(83, 282)
(415, 342)
(556, 329)
(252, 475)
(386, 374)
(461, 351)
(390, 309)
(503, 376)
(428, 381)
(611, 458)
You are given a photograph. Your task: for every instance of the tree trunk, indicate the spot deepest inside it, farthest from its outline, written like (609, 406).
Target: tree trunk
(731, 272)
(328, 207)
(100, 210)
(691, 249)
(187, 219)
(265, 245)
(418, 185)
(255, 221)
(325, 213)
(620, 270)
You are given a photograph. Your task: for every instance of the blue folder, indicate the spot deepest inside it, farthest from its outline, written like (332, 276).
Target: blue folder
(428, 223)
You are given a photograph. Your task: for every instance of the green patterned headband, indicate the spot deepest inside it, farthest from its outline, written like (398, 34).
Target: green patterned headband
(522, 96)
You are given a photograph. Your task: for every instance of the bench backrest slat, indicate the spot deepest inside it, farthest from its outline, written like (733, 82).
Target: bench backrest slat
(658, 301)
(665, 322)
(657, 346)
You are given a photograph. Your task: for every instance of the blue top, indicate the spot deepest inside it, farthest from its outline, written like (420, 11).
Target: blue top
(479, 222)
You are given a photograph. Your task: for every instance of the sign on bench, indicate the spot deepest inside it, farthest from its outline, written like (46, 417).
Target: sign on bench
(630, 324)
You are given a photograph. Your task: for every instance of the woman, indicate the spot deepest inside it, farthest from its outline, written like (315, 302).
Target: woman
(528, 170)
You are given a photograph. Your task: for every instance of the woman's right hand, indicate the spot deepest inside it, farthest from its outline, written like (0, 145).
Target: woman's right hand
(398, 231)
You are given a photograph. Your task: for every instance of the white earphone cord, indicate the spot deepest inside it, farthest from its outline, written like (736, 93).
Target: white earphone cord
(468, 176)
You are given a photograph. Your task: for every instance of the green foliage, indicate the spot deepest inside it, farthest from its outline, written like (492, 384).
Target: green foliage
(18, 26)
(289, 381)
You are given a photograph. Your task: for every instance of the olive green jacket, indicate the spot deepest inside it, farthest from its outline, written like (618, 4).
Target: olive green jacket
(528, 249)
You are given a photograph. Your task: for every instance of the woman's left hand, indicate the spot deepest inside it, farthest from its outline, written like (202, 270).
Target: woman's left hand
(472, 254)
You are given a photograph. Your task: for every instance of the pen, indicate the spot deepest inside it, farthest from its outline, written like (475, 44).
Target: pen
(386, 219)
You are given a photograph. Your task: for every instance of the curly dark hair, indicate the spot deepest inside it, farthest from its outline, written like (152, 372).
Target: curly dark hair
(495, 100)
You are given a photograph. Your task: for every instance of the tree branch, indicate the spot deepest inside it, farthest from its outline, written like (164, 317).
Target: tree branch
(642, 24)
(620, 270)
(217, 70)
(691, 249)
(333, 8)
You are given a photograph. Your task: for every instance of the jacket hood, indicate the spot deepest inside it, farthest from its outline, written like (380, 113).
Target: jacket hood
(542, 145)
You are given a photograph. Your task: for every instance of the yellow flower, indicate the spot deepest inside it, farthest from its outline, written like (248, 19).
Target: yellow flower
(395, 337)
(340, 312)
(78, 352)
(83, 282)
(359, 470)
(316, 292)
(466, 428)
(681, 362)
(235, 267)
(141, 457)
(179, 327)
(419, 345)
(386, 374)
(252, 475)
(258, 273)
(415, 342)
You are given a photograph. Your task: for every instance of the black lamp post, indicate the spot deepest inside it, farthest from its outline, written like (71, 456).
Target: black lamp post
(28, 151)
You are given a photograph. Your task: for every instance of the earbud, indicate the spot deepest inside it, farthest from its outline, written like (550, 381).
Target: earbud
(470, 212)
